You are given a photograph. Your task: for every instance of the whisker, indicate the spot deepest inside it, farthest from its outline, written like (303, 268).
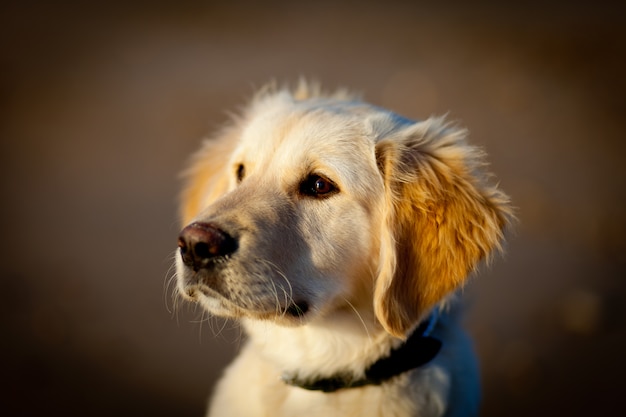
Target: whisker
(176, 298)
(202, 319)
(169, 279)
(171, 292)
(220, 332)
(288, 295)
(275, 293)
(367, 332)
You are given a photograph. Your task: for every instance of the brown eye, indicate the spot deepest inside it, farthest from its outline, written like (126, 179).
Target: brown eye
(317, 186)
(241, 172)
(322, 186)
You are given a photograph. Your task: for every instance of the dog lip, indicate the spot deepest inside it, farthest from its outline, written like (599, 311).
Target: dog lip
(199, 290)
(297, 309)
(195, 290)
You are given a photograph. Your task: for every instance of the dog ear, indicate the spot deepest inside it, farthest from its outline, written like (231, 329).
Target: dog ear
(207, 177)
(441, 219)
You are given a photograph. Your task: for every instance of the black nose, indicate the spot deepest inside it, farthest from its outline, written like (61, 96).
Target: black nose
(201, 243)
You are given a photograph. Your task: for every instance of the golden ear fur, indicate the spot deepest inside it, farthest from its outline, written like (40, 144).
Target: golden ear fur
(442, 218)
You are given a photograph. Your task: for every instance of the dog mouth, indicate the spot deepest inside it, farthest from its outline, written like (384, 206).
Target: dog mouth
(297, 309)
(210, 299)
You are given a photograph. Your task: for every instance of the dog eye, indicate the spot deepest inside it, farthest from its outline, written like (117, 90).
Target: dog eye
(317, 186)
(241, 172)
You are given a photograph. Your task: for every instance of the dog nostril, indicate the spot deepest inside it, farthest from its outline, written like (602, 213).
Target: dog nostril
(201, 250)
(199, 243)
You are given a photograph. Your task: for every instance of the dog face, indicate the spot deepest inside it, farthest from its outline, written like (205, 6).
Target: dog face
(311, 203)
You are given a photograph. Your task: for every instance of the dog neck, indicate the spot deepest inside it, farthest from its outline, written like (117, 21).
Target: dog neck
(358, 362)
(419, 349)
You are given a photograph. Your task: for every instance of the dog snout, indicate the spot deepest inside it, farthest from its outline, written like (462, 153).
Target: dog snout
(202, 243)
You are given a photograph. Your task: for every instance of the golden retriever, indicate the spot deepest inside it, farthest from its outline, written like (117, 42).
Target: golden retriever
(337, 232)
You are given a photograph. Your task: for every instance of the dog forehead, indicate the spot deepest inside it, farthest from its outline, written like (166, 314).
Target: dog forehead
(300, 132)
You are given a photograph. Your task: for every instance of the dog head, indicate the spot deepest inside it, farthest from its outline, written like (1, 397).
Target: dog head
(309, 203)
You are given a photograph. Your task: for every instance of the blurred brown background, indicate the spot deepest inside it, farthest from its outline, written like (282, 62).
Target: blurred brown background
(101, 104)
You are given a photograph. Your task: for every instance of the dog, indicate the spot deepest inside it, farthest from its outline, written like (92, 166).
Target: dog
(338, 234)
